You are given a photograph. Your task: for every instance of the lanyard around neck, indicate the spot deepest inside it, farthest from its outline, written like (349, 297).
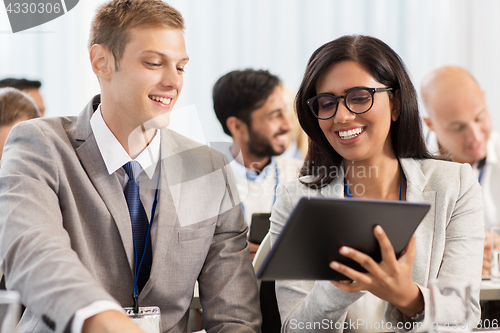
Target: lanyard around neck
(480, 167)
(137, 268)
(349, 195)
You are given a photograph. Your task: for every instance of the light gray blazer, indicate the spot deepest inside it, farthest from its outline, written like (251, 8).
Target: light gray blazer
(66, 236)
(449, 242)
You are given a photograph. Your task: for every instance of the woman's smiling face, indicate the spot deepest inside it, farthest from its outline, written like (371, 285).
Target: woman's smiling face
(357, 137)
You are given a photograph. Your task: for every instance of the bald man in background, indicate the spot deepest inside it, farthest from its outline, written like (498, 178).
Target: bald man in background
(459, 117)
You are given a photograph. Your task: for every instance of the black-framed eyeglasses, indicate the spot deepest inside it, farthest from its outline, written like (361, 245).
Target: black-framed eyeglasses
(356, 100)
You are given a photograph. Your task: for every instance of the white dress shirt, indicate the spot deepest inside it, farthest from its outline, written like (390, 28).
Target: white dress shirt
(115, 156)
(490, 182)
(257, 190)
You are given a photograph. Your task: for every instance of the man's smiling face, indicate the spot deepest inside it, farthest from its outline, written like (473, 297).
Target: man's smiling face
(149, 77)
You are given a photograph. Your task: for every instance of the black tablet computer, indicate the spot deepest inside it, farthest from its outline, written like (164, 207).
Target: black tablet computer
(259, 227)
(318, 227)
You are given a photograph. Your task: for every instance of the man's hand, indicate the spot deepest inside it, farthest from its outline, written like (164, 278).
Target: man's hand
(253, 249)
(487, 250)
(110, 322)
(487, 254)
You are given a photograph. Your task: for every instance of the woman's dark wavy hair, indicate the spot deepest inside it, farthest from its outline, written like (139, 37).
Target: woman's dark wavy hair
(387, 68)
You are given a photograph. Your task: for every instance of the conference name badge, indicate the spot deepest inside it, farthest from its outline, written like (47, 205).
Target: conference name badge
(148, 318)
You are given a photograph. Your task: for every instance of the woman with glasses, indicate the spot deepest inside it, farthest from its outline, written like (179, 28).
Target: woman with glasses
(360, 111)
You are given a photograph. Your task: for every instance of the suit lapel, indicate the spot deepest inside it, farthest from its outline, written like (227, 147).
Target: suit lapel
(171, 168)
(336, 188)
(107, 186)
(416, 182)
(171, 173)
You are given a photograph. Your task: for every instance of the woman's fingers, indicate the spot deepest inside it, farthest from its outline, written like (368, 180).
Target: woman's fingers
(382, 279)
(361, 258)
(351, 287)
(350, 272)
(386, 248)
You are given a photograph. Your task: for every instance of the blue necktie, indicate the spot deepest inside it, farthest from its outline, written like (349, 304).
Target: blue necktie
(140, 224)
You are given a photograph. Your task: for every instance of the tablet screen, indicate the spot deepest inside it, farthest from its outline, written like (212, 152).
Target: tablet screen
(318, 227)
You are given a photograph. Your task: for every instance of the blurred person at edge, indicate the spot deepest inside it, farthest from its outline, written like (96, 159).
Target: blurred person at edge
(15, 106)
(359, 108)
(30, 87)
(460, 129)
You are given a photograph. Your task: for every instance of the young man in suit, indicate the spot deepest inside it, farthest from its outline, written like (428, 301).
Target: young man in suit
(111, 209)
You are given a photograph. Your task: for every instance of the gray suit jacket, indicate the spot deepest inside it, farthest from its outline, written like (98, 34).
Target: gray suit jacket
(449, 244)
(66, 236)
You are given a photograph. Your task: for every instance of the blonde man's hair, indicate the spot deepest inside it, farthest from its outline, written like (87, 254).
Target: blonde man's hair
(112, 23)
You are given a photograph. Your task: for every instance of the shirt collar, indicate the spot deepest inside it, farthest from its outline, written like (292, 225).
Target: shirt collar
(252, 175)
(113, 153)
(243, 172)
(491, 151)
